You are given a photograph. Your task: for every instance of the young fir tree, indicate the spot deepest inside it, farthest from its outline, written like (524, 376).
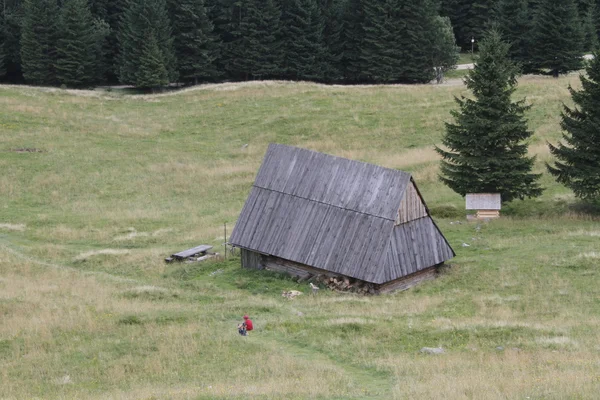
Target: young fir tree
(143, 19)
(513, 19)
(486, 150)
(76, 47)
(152, 72)
(444, 51)
(196, 46)
(578, 159)
(303, 34)
(556, 37)
(38, 41)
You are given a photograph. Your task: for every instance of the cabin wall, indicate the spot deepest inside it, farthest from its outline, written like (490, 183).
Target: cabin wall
(251, 259)
(409, 281)
(411, 206)
(302, 271)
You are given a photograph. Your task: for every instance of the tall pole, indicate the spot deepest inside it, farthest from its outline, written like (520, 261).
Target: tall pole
(472, 46)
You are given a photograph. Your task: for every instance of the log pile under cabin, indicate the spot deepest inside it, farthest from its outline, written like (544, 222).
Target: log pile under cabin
(361, 227)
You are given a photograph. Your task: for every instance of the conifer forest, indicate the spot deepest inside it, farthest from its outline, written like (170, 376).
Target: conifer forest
(152, 43)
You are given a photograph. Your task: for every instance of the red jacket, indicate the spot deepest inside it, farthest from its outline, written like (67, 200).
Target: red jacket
(249, 326)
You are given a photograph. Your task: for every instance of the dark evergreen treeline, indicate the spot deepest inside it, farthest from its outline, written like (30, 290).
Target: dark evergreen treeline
(149, 43)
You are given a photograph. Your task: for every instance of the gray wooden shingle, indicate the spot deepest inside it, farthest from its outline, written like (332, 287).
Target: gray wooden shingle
(335, 214)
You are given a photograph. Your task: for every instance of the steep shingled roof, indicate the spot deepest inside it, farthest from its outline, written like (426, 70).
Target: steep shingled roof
(335, 214)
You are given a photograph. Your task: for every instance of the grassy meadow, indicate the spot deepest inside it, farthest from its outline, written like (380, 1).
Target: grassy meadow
(97, 188)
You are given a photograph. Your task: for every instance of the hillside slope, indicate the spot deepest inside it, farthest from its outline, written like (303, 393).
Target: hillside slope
(97, 188)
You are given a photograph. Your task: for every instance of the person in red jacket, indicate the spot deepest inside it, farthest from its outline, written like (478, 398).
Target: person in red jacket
(248, 323)
(245, 326)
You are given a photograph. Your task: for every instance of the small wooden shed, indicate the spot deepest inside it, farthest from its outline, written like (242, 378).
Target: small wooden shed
(487, 205)
(310, 213)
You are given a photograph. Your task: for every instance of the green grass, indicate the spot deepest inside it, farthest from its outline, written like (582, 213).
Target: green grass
(90, 310)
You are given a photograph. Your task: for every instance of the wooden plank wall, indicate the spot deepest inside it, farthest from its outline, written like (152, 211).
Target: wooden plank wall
(409, 281)
(272, 263)
(251, 259)
(411, 206)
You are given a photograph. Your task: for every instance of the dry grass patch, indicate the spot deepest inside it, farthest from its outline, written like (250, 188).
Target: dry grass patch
(13, 227)
(109, 252)
(508, 374)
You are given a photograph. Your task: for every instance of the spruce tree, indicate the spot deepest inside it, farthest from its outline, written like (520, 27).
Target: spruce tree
(143, 19)
(398, 40)
(513, 19)
(381, 52)
(578, 158)
(76, 47)
(255, 52)
(303, 32)
(12, 17)
(417, 25)
(332, 11)
(469, 18)
(597, 18)
(352, 37)
(2, 51)
(556, 39)
(444, 51)
(152, 72)
(38, 41)
(590, 35)
(196, 46)
(486, 150)
(270, 48)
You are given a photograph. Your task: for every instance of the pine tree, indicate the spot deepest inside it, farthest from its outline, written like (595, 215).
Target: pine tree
(12, 17)
(578, 158)
(415, 38)
(256, 51)
(352, 37)
(398, 40)
(102, 33)
(513, 19)
(38, 41)
(597, 18)
(152, 72)
(270, 49)
(556, 39)
(76, 46)
(303, 32)
(486, 153)
(2, 51)
(444, 51)
(381, 53)
(332, 11)
(590, 35)
(143, 19)
(469, 18)
(196, 46)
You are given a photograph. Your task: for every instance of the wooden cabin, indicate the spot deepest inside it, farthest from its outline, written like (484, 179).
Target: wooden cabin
(487, 205)
(310, 214)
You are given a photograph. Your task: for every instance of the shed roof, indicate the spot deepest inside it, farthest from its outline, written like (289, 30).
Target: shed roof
(483, 201)
(335, 214)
